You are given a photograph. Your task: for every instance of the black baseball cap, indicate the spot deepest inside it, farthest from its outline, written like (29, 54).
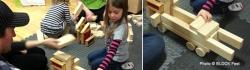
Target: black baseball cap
(8, 18)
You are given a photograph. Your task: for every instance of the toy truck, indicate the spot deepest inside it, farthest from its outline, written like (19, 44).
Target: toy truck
(202, 36)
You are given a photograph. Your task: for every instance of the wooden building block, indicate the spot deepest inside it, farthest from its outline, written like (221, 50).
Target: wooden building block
(80, 24)
(85, 35)
(68, 59)
(155, 6)
(86, 26)
(57, 64)
(77, 10)
(183, 15)
(66, 40)
(78, 68)
(89, 41)
(220, 49)
(197, 23)
(168, 5)
(230, 38)
(134, 6)
(76, 61)
(98, 33)
(208, 29)
(39, 35)
(92, 25)
(155, 19)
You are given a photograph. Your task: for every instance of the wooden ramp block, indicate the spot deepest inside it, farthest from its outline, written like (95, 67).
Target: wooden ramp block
(98, 33)
(208, 29)
(155, 6)
(89, 41)
(197, 23)
(86, 26)
(230, 38)
(78, 10)
(93, 25)
(66, 40)
(85, 35)
(155, 19)
(220, 49)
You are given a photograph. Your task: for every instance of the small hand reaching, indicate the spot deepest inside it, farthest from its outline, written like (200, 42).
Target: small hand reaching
(205, 14)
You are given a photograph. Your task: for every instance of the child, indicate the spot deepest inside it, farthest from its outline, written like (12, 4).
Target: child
(204, 8)
(56, 19)
(116, 51)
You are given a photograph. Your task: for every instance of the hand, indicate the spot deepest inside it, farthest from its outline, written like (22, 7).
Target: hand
(89, 15)
(50, 42)
(205, 14)
(99, 69)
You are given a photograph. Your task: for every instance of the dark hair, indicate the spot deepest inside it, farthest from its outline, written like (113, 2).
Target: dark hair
(121, 4)
(3, 26)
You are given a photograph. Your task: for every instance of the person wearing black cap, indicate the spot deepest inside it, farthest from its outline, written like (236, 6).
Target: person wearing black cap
(10, 56)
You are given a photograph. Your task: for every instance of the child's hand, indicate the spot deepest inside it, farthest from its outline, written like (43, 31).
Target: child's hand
(89, 15)
(99, 69)
(205, 14)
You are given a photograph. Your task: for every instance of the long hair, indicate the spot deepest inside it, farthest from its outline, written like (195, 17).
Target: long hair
(121, 4)
(55, 2)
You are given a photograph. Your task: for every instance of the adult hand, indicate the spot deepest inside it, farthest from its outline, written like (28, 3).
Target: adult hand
(51, 42)
(205, 14)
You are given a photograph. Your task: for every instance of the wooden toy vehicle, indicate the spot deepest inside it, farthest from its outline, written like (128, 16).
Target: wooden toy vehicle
(202, 36)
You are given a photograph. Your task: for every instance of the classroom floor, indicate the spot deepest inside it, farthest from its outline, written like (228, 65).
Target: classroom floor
(180, 58)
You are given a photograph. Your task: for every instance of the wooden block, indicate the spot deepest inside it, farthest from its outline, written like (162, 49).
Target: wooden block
(155, 19)
(131, 34)
(197, 23)
(129, 17)
(86, 26)
(208, 29)
(85, 35)
(168, 4)
(39, 35)
(80, 24)
(220, 49)
(92, 25)
(155, 6)
(134, 6)
(98, 33)
(66, 40)
(183, 14)
(93, 18)
(139, 24)
(89, 41)
(76, 61)
(78, 10)
(59, 55)
(230, 38)
(78, 68)
(57, 64)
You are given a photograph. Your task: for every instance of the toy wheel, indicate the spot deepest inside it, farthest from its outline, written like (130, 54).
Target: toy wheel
(200, 52)
(190, 46)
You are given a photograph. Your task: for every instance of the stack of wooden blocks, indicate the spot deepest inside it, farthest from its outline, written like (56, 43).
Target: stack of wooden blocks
(83, 28)
(63, 61)
(202, 36)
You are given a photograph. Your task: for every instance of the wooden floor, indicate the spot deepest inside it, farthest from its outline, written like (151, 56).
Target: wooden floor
(36, 14)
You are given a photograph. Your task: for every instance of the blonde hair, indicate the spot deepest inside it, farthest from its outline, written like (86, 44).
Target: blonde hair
(55, 2)
(122, 4)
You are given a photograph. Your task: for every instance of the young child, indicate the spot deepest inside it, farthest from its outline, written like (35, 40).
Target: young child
(206, 8)
(57, 18)
(116, 51)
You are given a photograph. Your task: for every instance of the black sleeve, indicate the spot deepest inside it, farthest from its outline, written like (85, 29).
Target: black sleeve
(17, 46)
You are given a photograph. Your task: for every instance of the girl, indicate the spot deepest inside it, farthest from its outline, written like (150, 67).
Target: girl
(56, 19)
(204, 8)
(116, 51)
